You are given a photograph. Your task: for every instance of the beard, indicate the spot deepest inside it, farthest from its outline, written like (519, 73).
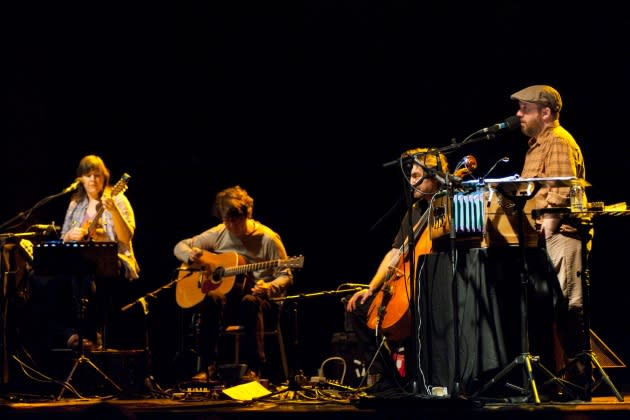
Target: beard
(533, 127)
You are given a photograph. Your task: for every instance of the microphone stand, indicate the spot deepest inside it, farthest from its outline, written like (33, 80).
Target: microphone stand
(473, 138)
(449, 181)
(457, 380)
(412, 362)
(297, 378)
(24, 215)
(317, 294)
(27, 213)
(149, 380)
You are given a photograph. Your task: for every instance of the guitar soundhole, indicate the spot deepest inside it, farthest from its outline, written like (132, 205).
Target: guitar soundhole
(214, 281)
(218, 274)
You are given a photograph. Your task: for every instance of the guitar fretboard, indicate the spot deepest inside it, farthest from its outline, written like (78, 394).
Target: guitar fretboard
(241, 269)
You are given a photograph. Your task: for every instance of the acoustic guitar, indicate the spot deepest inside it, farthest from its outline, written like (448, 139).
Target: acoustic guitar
(218, 273)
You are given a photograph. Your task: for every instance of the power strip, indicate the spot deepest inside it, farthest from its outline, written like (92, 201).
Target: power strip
(340, 386)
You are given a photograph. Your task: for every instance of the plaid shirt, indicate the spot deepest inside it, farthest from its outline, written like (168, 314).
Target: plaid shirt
(554, 153)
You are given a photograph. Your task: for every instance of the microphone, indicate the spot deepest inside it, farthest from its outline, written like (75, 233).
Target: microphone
(510, 123)
(503, 159)
(430, 173)
(72, 186)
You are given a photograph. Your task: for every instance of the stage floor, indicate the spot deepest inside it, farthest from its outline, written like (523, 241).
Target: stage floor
(303, 402)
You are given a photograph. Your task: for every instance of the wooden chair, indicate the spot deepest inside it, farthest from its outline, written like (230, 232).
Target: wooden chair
(275, 329)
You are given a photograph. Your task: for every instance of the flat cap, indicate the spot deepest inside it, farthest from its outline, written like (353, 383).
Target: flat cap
(540, 94)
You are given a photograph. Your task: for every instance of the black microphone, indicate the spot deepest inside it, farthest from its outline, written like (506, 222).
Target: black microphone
(72, 186)
(510, 123)
(428, 173)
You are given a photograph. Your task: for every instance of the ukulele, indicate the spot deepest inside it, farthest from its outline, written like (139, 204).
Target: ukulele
(119, 187)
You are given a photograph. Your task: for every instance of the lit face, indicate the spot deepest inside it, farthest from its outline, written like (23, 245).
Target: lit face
(93, 183)
(236, 225)
(531, 118)
(424, 187)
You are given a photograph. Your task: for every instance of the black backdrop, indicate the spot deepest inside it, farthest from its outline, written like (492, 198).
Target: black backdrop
(301, 103)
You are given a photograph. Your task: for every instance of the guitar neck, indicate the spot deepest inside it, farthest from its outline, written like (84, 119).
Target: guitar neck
(241, 269)
(94, 223)
(120, 186)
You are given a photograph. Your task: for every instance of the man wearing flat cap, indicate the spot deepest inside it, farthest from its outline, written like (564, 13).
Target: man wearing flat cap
(553, 152)
(542, 95)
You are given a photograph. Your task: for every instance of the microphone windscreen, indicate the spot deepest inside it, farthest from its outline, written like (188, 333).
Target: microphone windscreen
(512, 122)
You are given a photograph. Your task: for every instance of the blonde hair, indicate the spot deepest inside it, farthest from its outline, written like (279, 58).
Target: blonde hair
(429, 157)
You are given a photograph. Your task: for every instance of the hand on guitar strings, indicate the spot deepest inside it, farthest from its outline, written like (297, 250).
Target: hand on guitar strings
(75, 234)
(195, 254)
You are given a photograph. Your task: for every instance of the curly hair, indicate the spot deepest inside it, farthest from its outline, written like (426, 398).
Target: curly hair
(429, 157)
(233, 202)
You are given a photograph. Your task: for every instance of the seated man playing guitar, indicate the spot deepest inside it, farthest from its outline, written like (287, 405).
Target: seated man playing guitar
(243, 298)
(384, 305)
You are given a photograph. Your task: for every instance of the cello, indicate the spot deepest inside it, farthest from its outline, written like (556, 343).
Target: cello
(389, 312)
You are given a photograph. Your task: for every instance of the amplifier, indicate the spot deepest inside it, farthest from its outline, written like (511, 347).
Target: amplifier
(481, 218)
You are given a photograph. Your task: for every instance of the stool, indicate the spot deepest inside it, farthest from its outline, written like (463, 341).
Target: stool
(238, 330)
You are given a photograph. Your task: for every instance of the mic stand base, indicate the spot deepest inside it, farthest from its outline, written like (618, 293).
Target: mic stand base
(590, 361)
(81, 359)
(586, 356)
(80, 355)
(525, 359)
(528, 362)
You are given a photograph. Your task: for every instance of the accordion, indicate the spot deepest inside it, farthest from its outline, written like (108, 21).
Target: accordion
(479, 219)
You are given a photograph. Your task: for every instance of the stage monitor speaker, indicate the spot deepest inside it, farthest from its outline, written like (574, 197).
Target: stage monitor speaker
(605, 356)
(345, 346)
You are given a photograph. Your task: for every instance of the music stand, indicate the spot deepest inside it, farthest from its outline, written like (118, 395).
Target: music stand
(79, 260)
(512, 189)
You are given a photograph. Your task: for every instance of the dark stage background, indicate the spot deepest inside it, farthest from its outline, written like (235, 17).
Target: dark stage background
(301, 103)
